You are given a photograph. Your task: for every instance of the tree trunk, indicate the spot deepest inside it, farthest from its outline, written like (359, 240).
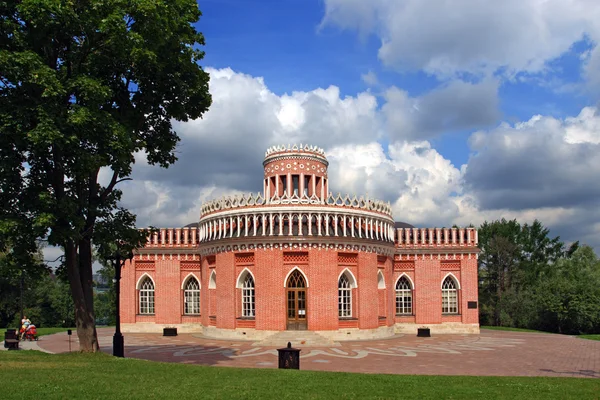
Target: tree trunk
(84, 314)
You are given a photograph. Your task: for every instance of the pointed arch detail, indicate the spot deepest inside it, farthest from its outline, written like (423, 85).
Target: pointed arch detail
(351, 278)
(212, 281)
(296, 268)
(242, 276)
(412, 284)
(141, 279)
(453, 277)
(380, 280)
(188, 277)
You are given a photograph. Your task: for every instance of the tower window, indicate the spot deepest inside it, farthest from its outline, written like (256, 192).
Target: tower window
(296, 184)
(284, 183)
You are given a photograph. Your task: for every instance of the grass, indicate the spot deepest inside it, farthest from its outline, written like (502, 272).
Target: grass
(590, 337)
(100, 376)
(42, 331)
(506, 328)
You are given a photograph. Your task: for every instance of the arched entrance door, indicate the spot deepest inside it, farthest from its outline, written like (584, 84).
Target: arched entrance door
(296, 301)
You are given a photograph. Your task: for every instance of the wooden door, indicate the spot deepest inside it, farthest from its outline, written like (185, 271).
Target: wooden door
(296, 302)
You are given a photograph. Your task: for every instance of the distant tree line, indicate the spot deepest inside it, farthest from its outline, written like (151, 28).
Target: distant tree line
(44, 294)
(529, 280)
(44, 297)
(526, 280)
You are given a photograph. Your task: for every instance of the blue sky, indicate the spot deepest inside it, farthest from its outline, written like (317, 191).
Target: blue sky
(454, 111)
(285, 42)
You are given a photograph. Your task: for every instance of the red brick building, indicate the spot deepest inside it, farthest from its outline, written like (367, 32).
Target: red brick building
(296, 257)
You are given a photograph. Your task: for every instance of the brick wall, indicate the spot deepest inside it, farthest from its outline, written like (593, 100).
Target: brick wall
(322, 268)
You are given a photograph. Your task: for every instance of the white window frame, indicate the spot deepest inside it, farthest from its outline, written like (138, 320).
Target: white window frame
(403, 292)
(191, 297)
(248, 297)
(450, 296)
(344, 297)
(146, 297)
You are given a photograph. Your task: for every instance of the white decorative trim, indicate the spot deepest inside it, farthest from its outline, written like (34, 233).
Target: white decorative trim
(257, 203)
(290, 272)
(212, 280)
(380, 281)
(239, 283)
(139, 281)
(353, 281)
(453, 278)
(295, 148)
(210, 249)
(187, 277)
(412, 284)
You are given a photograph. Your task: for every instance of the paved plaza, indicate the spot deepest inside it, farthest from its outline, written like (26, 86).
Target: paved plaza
(497, 353)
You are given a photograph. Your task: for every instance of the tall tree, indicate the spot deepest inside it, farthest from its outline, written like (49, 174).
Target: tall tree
(84, 85)
(569, 299)
(513, 258)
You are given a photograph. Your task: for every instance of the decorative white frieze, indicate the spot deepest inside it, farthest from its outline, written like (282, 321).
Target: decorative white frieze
(251, 200)
(272, 246)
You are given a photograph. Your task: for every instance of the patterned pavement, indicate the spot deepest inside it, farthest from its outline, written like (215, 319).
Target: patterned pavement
(496, 353)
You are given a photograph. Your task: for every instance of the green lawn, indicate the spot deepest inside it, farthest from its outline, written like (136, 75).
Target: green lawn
(41, 331)
(100, 376)
(591, 337)
(506, 328)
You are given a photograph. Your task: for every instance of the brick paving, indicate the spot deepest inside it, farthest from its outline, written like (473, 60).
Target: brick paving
(497, 353)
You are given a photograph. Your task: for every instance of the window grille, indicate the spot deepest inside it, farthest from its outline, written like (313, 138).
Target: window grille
(248, 308)
(404, 296)
(345, 297)
(192, 297)
(147, 297)
(449, 297)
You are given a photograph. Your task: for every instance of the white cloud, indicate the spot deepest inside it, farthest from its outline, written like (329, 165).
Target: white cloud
(455, 106)
(543, 162)
(370, 78)
(415, 178)
(475, 36)
(542, 168)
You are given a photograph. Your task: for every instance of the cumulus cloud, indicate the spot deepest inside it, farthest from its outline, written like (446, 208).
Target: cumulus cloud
(413, 177)
(370, 78)
(543, 162)
(449, 37)
(222, 153)
(455, 106)
(246, 117)
(591, 68)
(543, 168)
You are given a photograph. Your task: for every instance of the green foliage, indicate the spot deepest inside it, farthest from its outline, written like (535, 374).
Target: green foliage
(528, 280)
(570, 298)
(48, 303)
(83, 87)
(78, 376)
(13, 276)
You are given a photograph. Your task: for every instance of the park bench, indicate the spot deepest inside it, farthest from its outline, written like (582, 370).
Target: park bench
(11, 342)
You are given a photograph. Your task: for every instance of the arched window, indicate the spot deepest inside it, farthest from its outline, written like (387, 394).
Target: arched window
(404, 303)
(449, 296)
(191, 297)
(212, 282)
(345, 297)
(248, 308)
(147, 296)
(296, 280)
(380, 280)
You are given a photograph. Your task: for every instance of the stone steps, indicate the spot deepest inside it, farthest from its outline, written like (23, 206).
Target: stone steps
(297, 339)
